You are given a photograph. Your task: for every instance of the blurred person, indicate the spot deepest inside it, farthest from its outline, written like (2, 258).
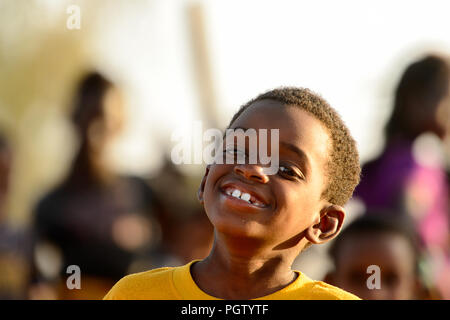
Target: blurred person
(192, 237)
(409, 175)
(14, 242)
(96, 219)
(385, 242)
(186, 232)
(397, 178)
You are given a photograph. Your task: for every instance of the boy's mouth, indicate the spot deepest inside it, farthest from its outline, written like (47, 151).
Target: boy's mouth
(242, 193)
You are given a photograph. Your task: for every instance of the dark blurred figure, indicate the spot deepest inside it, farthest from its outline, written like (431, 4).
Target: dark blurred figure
(388, 243)
(187, 233)
(14, 243)
(409, 175)
(95, 219)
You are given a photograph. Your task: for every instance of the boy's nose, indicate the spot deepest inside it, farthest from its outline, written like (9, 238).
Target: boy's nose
(252, 172)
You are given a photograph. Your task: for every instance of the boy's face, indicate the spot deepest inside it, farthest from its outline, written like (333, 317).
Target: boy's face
(109, 123)
(391, 252)
(289, 201)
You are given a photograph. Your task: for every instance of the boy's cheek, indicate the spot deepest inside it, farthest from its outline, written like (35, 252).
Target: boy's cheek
(293, 221)
(297, 200)
(217, 169)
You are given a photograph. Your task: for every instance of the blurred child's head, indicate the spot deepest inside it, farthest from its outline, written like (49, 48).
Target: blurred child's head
(318, 171)
(422, 99)
(98, 111)
(377, 239)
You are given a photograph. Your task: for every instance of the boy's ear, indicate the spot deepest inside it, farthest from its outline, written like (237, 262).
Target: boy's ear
(201, 189)
(327, 225)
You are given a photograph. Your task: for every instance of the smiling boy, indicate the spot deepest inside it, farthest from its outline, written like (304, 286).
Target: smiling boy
(262, 222)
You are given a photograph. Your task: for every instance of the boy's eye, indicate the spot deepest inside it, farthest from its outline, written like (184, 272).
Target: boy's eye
(234, 151)
(290, 173)
(238, 155)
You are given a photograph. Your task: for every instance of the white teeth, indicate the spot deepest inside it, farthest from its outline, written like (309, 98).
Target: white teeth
(242, 196)
(236, 193)
(245, 196)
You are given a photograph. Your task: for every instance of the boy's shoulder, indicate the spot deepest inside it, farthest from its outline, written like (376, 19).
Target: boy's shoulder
(152, 284)
(319, 290)
(305, 288)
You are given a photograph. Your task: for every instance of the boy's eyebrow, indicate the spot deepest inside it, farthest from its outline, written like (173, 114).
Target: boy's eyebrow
(300, 153)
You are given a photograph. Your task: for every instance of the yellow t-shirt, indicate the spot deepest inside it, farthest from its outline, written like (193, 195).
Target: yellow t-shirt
(176, 283)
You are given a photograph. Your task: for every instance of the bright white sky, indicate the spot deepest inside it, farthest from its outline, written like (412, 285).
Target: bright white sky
(351, 52)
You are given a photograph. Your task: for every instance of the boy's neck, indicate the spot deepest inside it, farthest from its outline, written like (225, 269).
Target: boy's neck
(244, 273)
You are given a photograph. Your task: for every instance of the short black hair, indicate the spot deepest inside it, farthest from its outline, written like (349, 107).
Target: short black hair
(343, 167)
(379, 222)
(88, 100)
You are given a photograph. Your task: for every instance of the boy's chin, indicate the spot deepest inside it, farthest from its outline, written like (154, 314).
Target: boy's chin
(245, 233)
(235, 218)
(239, 228)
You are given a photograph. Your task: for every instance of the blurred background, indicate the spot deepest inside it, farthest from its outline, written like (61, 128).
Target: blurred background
(92, 91)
